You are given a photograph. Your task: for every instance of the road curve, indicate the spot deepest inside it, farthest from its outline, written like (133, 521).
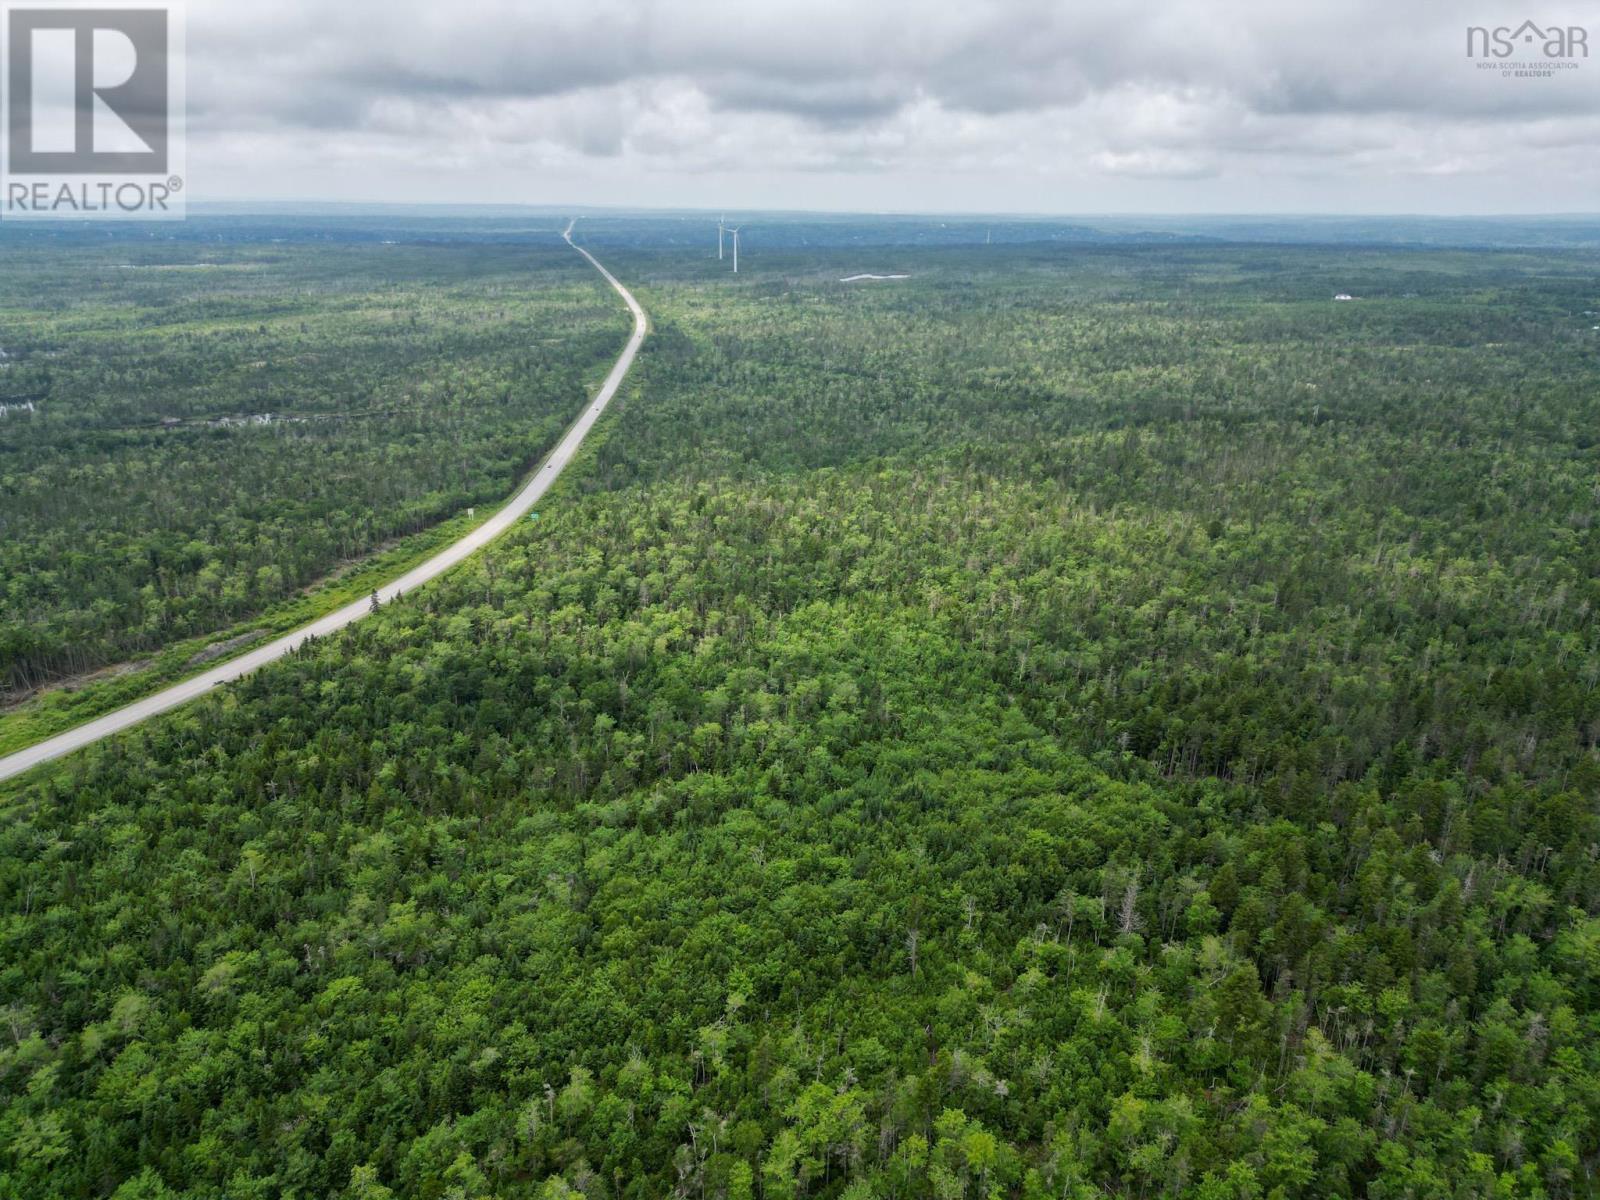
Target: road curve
(516, 508)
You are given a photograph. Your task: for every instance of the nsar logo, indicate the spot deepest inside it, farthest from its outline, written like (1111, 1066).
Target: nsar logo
(1528, 51)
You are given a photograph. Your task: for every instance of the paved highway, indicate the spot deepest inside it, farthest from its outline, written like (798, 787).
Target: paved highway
(517, 508)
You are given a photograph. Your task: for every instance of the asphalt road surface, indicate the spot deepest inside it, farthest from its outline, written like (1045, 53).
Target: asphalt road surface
(517, 508)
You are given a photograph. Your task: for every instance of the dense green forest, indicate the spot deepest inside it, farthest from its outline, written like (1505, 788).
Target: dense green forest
(188, 435)
(1075, 722)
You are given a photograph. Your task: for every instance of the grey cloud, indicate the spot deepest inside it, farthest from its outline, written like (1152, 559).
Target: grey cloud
(836, 62)
(1168, 90)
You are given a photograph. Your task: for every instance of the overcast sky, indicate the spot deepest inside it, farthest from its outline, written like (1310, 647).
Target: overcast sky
(1021, 106)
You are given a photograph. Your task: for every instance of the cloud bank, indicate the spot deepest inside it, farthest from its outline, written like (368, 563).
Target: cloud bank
(1018, 105)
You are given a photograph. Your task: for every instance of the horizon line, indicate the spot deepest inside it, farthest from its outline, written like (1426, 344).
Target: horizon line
(958, 214)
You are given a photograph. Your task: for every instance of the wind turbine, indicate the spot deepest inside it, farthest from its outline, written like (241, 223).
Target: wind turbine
(735, 233)
(721, 223)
